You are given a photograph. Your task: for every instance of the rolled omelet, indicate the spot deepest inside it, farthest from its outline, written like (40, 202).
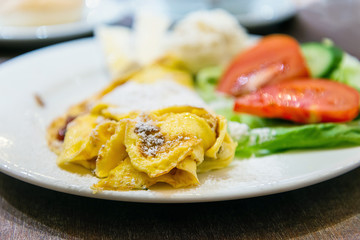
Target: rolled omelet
(148, 128)
(139, 149)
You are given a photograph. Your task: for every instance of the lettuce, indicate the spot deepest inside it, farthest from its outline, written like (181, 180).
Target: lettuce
(264, 141)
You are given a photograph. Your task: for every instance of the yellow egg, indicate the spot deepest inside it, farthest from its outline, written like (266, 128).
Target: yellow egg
(124, 177)
(184, 175)
(136, 150)
(166, 68)
(83, 139)
(188, 125)
(112, 153)
(225, 155)
(154, 153)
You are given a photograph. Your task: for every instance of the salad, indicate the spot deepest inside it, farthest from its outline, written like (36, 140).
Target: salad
(281, 95)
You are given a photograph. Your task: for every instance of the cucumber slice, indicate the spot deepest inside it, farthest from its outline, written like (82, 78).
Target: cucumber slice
(321, 59)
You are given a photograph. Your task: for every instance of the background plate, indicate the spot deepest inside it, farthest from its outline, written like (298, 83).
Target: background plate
(96, 12)
(264, 13)
(66, 73)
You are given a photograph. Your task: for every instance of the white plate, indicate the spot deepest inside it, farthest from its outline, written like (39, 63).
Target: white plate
(256, 13)
(96, 12)
(66, 73)
(263, 13)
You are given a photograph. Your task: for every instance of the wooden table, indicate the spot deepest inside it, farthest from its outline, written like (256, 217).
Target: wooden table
(329, 210)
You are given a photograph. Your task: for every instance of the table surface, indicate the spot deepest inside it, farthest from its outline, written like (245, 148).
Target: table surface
(329, 210)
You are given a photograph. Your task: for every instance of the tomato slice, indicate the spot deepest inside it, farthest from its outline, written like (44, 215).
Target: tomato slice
(303, 101)
(275, 58)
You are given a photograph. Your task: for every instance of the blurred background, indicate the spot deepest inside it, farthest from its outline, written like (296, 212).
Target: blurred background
(30, 24)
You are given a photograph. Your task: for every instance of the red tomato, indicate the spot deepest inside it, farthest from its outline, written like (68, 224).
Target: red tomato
(275, 58)
(303, 101)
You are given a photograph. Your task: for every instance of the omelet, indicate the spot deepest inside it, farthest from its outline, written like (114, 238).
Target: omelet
(146, 128)
(139, 149)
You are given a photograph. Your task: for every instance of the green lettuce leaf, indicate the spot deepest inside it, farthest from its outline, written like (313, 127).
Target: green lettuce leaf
(206, 81)
(268, 140)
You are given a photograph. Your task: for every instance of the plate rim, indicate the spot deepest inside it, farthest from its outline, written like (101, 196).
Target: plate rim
(284, 187)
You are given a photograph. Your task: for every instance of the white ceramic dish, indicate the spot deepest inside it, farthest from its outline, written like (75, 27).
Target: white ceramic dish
(95, 13)
(262, 13)
(251, 14)
(65, 74)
